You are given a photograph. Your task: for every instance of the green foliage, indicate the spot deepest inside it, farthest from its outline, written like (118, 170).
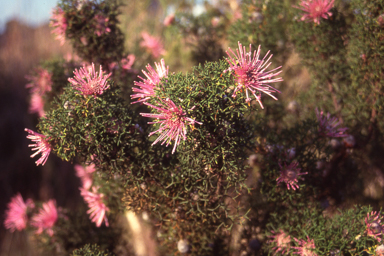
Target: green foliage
(90, 250)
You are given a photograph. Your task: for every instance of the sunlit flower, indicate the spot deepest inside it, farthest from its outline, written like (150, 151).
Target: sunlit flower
(380, 250)
(169, 19)
(315, 9)
(306, 248)
(173, 123)
(46, 218)
(152, 44)
(16, 215)
(101, 24)
(374, 227)
(282, 241)
(59, 23)
(148, 85)
(41, 82)
(36, 104)
(97, 208)
(328, 126)
(85, 174)
(90, 82)
(289, 175)
(251, 74)
(41, 145)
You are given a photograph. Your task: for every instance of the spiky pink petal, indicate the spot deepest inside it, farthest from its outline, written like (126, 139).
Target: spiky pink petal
(41, 82)
(289, 175)
(328, 127)
(97, 208)
(315, 9)
(152, 44)
(46, 218)
(90, 82)
(16, 215)
(282, 241)
(173, 122)
(251, 74)
(306, 248)
(374, 227)
(41, 145)
(59, 23)
(147, 87)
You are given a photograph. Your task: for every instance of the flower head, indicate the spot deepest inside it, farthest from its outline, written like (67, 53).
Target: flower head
(85, 174)
(59, 23)
(97, 208)
(251, 74)
(101, 24)
(126, 63)
(169, 20)
(315, 9)
(374, 227)
(152, 44)
(46, 218)
(41, 145)
(90, 82)
(289, 175)
(41, 82)
(36, 104)
(328, 125)
(306, 248)
(16, 214)
(148, 85)
(282, 241)
(173, 123)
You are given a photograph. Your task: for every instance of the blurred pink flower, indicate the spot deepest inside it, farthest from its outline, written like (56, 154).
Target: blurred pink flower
(148, 85)
(152, 44)
(36, 104)
(374, 227)
(97, 208)
(85, 174)
(172, 122)
(250, 73)
(126, 63)
(41, 82)
(59, 23)
(90, 82)
(41, 145)
(306, 248)
(282, 241)
(46, 218)
(101, 24)
(328, 125)
(315, 9)
(169, 19)
(16, 214)
(289, 174)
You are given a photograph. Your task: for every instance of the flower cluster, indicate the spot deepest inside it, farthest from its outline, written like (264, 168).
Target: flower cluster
(16, 215)
(315, 9)
(282, 241)
(305, 248)
(147, 87)
(173, 122)
(46, 218)
(59, 23)
(101, 26)
(374, 227)
(90, 82)
(328, 127)
(97, 208)
(251, 74)
(289, 175)
(152, 44)
(41, 145)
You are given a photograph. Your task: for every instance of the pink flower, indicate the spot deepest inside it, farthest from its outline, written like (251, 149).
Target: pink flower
(16, 214)
(306, 248)
(101, 25)
(328, 126)
(315, 9)
(126, 63)
(37, 104)
(374, 226)
(90, 82)
(250, 73)
(282, 241)
(85, 174)
(46, 218)
(59, 23)
(97, 208)
(152, 44)
(147, 86)
(41, 145)
(41, 82)
(172, 122)
(169, 19)
(289, 174)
